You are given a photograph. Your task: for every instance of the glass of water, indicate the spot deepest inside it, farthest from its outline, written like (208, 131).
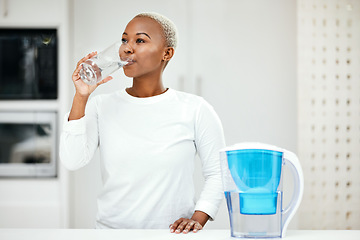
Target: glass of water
(102, 65)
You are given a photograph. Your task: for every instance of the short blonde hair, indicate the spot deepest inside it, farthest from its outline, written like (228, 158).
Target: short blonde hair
(168, 27)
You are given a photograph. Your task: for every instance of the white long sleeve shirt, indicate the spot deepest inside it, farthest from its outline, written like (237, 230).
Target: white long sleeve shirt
(147, 148)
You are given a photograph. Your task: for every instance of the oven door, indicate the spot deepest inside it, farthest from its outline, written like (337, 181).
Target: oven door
(28, 63)
(28, 144)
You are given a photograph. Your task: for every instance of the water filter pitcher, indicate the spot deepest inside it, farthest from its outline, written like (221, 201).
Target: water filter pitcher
(252, 175)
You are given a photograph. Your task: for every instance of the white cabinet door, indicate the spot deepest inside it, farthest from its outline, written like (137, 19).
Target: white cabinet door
(244, 64)
(244, 60)
(31, 13)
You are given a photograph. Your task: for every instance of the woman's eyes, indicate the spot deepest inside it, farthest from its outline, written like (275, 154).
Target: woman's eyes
(139, 40)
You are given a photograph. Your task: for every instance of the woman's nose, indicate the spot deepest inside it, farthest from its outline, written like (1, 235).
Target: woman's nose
(128, 49)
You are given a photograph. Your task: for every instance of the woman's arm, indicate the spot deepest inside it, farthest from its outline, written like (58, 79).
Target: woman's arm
(209, 139)
(79, 138)
(78, 107)
(83, 90)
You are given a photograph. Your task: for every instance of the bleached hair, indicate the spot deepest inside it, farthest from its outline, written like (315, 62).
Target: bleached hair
(169, 28)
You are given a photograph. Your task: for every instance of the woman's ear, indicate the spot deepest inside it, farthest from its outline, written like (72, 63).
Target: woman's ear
(169, 53)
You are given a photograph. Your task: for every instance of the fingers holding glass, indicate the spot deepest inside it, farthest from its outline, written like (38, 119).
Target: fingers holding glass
(76, 75)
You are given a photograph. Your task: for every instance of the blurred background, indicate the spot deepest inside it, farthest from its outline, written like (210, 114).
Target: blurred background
(281, 72)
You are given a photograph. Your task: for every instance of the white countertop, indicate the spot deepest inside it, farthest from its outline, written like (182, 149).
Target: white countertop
(122, 234)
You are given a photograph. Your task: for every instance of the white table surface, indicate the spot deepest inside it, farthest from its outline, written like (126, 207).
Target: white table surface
(119, 234)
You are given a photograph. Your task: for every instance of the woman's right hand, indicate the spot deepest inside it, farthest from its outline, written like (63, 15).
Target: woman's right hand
(82, 88)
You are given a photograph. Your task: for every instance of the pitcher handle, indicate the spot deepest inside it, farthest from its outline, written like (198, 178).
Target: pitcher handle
(292, 161)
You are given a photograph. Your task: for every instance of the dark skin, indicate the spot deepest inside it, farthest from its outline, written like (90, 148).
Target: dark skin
(145, 48)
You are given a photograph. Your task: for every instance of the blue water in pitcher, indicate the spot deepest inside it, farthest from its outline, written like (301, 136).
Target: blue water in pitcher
(256, 173)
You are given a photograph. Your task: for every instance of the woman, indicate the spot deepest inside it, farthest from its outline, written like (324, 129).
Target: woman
(148, 136)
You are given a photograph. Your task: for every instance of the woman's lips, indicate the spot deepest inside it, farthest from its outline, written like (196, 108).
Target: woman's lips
(129, 62)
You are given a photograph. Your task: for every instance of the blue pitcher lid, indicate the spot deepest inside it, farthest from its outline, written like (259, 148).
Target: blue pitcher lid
(252, 145)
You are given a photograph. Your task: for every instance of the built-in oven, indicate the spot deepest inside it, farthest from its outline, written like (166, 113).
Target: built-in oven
(28, 144)
(28, 63)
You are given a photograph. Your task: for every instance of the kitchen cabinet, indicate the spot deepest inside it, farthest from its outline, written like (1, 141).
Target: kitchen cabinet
(22, 12)
(40, 203)
(244, 64)
(243, 57)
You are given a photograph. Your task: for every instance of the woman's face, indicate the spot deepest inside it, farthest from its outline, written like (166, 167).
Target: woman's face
(143, 45)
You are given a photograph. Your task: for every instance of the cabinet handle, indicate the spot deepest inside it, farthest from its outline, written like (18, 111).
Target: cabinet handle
(181, 83)
(5, 8)
(198, 86)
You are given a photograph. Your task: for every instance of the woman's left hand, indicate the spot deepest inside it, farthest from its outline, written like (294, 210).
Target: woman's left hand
(185, 225)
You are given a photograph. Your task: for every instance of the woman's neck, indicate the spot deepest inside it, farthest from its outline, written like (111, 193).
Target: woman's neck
(146, 87)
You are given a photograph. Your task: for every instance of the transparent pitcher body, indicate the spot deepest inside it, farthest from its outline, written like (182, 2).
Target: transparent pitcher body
(252, 179)
(253, 225)
(255, 209)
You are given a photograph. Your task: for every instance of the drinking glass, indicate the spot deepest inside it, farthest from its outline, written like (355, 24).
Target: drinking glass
(102, 65)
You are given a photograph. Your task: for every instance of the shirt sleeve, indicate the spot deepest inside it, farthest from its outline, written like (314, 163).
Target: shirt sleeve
(79, 138)
(209, 139)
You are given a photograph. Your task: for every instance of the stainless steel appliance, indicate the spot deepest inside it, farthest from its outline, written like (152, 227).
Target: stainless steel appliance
(28, 144)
